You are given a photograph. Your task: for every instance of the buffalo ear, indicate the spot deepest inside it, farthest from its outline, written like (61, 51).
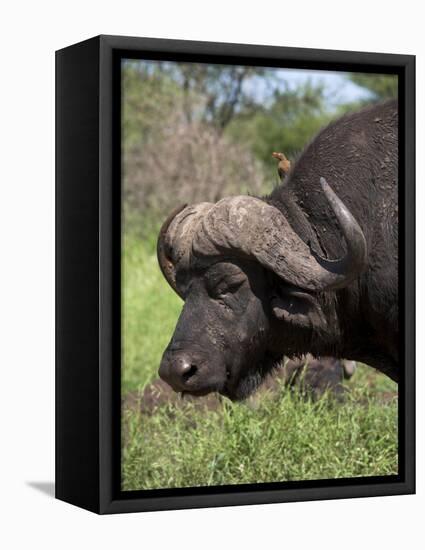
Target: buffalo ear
(298, 308)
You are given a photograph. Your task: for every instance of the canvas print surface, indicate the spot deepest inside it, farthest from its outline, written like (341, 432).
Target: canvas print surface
(259, 265)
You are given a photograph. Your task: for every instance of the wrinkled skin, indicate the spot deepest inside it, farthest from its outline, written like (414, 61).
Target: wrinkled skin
(231, 327)
(230, 362)
(240, 319)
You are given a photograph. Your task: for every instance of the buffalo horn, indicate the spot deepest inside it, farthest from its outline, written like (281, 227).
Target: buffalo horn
(164, 260)
(249, 227)
(252, 228)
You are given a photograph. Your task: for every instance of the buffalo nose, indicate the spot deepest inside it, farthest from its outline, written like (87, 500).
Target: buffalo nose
(177, 371)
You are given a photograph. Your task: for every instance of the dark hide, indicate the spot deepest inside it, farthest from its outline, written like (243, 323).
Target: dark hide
(240, 318)
(358, 155)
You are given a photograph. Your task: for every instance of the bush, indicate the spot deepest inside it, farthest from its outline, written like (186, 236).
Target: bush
(186, 163)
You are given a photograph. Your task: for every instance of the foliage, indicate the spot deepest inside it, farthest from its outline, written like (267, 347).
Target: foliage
(190, 164)
(287, 124)
(194, 132)
(148, 99)
(171, 158)
(380, 86)
(217, 91)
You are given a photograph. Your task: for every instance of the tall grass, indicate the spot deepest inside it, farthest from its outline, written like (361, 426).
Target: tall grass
(150, 311)
(284, 437)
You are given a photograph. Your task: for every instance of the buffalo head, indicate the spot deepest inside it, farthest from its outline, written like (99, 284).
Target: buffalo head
(251, 287)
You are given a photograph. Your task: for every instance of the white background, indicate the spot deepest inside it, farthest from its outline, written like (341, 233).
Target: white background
(30, 33)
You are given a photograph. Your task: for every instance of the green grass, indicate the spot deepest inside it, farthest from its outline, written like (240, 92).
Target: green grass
(284, 437)
(149, 314)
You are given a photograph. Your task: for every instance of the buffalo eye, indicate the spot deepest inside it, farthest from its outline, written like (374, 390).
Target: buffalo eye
(224, 289)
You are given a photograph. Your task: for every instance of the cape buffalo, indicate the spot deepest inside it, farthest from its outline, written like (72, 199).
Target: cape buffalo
(313, 267)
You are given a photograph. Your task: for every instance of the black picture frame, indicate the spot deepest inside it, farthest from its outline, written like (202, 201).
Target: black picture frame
(88, 237)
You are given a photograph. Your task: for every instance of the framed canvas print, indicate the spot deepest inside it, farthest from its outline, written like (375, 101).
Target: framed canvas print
(235, 274)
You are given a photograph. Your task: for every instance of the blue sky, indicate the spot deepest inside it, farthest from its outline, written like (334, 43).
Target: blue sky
(338, 88)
